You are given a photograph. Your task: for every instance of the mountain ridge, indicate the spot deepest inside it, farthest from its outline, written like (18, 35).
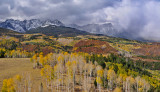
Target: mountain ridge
(25, 25)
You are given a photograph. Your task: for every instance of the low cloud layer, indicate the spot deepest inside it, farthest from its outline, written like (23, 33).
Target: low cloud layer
(137, 18)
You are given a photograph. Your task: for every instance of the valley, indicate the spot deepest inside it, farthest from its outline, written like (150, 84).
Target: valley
(56, 58)
(79, 46)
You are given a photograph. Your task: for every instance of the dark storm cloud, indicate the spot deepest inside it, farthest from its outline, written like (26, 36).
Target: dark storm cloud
(80, 10)
(140, 18)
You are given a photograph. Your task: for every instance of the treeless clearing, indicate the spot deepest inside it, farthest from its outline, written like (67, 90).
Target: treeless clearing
(94, 46)
(65, 41)
(9, 67)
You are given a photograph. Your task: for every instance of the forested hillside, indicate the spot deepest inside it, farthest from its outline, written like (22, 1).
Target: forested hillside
(58, 31)
(77, 63)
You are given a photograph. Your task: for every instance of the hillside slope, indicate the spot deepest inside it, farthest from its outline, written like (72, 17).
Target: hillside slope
(94, 46)
(7, 31)
(58, 31)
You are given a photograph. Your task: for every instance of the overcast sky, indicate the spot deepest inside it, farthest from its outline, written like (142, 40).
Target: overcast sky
(69, 11)
(141, 17)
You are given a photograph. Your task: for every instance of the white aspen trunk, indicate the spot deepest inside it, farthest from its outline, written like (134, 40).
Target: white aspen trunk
(137, 86)
(126, 86)
(123, 85)
(81, 79)
(99, 87)
(51, 87)
(62, 81)
(29, 84)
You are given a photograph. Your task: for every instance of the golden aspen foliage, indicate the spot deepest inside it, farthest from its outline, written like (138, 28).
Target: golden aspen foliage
(74, 55)
(65, 53)
(8, 85)
(41, 59)
(119, 81)
(59, 80)
(60, 59)
(69, 69)
(12, 52)
(18, 78)
(100, 73)
(34, 58)
(55, 68)
(99, 80)
(108, 64)
(45, 60)
(41, 54)
(49, 56)
(47, 72)
(68, 64)
(74, 63)
(111, 74)
(117, 89)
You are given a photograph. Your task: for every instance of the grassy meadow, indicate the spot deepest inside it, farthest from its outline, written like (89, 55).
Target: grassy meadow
(9, 67)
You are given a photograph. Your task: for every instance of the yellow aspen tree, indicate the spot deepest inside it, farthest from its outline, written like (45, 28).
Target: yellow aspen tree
(143, 85)
(117, 89)
(105, 76)
(18, 81)
(28, 82)
(100, 73)
(65, 53)
(56, 76)
(74, 68)
(89, 76)
(85, 75)
(119, 80)
(41, 88)
(7, 54)
(69, 74)
(60, 59)
(34, 60)
(41, 58)
(12, 54)
(129, 84)
(81, 64)
(47, 73)
(8, 85)
(50, 58)
(66, 57)
(138, 82)
(45, 61)
(146, 85)
(111, 76)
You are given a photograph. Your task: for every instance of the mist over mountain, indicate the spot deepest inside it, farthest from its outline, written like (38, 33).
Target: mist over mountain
(106, 28)
(26, 25)
(133, 18)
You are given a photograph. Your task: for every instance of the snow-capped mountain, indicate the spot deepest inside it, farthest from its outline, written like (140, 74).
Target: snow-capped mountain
(106, 28)
(23, 26)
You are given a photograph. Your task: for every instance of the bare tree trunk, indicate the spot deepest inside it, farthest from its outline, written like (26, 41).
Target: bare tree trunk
(126, 86)
(41, 88)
